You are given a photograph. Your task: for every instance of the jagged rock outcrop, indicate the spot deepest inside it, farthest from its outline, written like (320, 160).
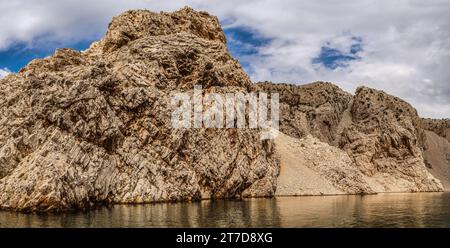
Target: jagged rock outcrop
(315, 108)
(382, 134)
(436, 146)
(437, 157)
(78, 129)
(439, 126)
(309, 166)
(384, 141)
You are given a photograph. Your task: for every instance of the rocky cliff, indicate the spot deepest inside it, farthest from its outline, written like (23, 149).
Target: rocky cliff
(79, 129)
(436, 147)
(314, 109)
(380, 133)
(439, 126)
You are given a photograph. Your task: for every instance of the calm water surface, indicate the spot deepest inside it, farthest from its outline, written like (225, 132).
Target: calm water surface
(383, 210)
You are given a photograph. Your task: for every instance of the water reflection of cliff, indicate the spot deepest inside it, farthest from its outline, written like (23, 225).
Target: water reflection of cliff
(384, 210)
(249, 213)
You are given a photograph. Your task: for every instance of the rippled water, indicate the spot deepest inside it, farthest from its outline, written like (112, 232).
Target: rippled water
(383, 210)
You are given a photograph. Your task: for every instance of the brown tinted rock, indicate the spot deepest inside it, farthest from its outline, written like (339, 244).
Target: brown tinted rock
(439, 126)
(80, 129)
(437, 157)
(382, 135)
(315, 108)
(384, 139)
(311, 167)
(84, 128)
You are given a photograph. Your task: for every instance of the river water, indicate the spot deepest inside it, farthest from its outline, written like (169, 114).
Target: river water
(382, 210)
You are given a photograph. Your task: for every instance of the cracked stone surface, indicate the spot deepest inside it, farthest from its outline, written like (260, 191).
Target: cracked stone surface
(80, 129)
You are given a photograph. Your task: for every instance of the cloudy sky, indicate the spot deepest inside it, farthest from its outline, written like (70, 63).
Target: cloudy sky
(402, 47)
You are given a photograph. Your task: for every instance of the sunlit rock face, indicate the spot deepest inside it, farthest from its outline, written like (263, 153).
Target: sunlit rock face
(381, 134)
(80, 129)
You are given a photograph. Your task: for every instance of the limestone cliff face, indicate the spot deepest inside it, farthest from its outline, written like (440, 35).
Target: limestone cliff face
(439, 126)
(315, 108)
(384, 141)
(78, 129)
(309, 166)
(380, 133)
(436, 147)
(84, 128)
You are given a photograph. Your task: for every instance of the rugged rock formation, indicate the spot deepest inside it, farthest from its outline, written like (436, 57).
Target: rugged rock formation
(439, 126)
(437, 157)
(436, 147)
(315, 108)
(382, 135)
(77, 129)
(84, 128)
(311, 167)
(384, 141)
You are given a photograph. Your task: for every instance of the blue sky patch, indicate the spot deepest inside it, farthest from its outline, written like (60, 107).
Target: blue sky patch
(19, 55)
(333, 58)
(243, 42)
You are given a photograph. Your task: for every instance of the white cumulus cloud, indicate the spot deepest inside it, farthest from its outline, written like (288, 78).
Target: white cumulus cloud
(4, 72)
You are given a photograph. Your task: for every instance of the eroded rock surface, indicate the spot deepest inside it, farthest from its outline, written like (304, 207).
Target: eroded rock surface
(381, 134)
(436, 145)
(384, 141)
(437, 157)
(439, 126)
(79, 129)
(315, 108)
(309, 166)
